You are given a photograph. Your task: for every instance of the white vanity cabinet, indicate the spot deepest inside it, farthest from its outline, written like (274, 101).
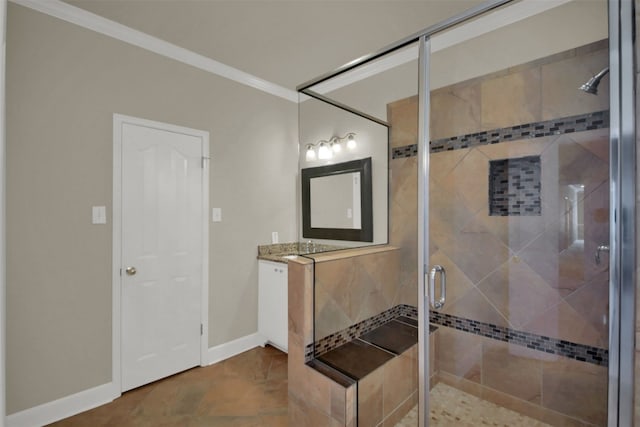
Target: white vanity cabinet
(273, 303)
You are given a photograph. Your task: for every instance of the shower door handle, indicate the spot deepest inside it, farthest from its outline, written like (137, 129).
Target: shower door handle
(432, 287)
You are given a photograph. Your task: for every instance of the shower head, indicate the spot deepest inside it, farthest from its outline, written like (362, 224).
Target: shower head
(592, 85)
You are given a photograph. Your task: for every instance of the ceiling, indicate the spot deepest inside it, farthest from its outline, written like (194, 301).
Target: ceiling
(284, 42)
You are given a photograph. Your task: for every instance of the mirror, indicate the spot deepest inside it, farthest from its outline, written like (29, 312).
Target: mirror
(337, 201)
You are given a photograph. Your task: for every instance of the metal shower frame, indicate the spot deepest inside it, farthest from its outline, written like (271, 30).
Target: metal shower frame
(622, 256)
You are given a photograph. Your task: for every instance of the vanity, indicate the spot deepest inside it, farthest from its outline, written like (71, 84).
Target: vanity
(272, 303)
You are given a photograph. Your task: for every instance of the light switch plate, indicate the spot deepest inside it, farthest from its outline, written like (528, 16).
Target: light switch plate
(98, 215)
(274, 237)
(216, 214)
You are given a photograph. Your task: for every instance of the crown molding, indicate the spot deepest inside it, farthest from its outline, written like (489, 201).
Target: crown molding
(107, 27)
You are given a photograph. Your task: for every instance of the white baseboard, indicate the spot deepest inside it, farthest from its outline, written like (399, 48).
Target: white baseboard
(237, 346)
(59, 409)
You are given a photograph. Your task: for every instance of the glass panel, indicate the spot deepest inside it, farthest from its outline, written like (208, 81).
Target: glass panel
(519, 219)
(365, 318)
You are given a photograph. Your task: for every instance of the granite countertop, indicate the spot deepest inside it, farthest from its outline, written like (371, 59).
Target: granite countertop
(279, 252)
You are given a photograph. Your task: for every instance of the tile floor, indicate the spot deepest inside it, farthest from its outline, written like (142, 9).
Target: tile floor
(247, 390)
(451, 407)
(250, 390)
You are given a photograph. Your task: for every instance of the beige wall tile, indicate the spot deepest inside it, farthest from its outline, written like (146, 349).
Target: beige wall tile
(459, 353)
(576, 388)
(455, 110)
(517, 292)
(370, 399)
(458, 284)
(404, 116)
(563, 322)
(400, 379)
(403, 409)
(511, 369)
(561, 79)
(499, 95)
(470, 178)
(302, 414)
(474, 305)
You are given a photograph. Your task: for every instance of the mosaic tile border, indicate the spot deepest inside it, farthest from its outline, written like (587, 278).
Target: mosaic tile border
(579, 123)
(580, 352)
(339, 338)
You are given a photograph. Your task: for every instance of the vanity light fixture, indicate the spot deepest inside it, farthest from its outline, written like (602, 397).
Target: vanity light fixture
(326, 149)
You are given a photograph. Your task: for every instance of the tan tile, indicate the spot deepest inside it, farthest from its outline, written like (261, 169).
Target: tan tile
(300, 300)
(560, 80)
(515, 149)
(455, 110)
(338, 403)
(562, 270)
(469, 387)
(459, 353)
(564, 323)
(592, 303)
(392, 419)
(442, 163)
(475, 250)
(511, 369)
(596, 141)
(400, 379)
(370, 399)
(403, 115)
(470, 179)
(474, 305)
(499, 95)
(305, 415)
(577, 389)
(457, 282)
(518, 292)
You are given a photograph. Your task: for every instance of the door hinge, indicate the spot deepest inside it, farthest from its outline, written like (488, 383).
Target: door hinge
(204, 160)
(201, 329)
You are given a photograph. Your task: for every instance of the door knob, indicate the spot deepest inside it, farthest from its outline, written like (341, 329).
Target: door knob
(131, 271)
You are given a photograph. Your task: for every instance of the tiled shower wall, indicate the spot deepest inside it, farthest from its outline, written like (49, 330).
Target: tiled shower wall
(524, 272)
(352, 289)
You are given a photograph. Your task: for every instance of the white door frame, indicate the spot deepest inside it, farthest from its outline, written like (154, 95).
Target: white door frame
(118, 121)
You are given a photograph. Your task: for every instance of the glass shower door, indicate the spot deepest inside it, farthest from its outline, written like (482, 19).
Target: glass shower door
(518, 219)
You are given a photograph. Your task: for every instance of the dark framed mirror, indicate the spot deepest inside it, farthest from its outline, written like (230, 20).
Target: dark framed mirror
(337, 201)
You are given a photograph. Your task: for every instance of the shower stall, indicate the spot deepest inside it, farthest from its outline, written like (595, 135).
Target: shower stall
(507, 184)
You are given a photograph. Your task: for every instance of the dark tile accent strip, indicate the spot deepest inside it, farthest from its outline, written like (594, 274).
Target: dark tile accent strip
(579, 123)
(581, 352)
(339, 338)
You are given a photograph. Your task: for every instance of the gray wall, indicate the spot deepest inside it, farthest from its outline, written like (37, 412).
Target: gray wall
(63, 85)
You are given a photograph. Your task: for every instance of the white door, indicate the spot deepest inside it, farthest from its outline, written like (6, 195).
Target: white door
(162, 253)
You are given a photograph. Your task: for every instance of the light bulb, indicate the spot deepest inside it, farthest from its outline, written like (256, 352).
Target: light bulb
(324, 152)
(311, 153)
(351, 142)
(336, 147)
